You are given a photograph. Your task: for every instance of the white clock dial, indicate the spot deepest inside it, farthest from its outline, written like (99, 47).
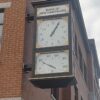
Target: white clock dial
(47, 63)
(52, 32)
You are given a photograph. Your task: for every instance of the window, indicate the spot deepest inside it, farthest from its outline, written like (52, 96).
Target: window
(55, 94)
(80, 60)
(85, 73)
(75, 45)
(1, 24)
(76, 93)
(81, 98)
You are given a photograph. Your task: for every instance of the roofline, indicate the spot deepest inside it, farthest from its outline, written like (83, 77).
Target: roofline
(92, 43)
(80, 19)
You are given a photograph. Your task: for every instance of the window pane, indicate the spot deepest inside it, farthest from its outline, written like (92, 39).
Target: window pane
(1, 29)
(55, 93)
(1, 18)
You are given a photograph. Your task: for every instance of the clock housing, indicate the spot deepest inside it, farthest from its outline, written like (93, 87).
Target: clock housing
(52, 49)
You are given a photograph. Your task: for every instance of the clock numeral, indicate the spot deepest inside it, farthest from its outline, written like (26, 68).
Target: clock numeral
(64, 58)
(58, 41)
(42, 39)
(52, 44)
(62, 27)
(52, 23)
(39, 68)
(64, 66)
(64, 31)
(48, 25)
(56, 55)
(48, 55)
(46, 42)
(52, 71)
(40, 60)
(63, 37)
(41, 34)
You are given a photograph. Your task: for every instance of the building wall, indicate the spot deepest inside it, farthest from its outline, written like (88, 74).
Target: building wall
(65, 93)
(30, 92)
(96, 70)
(11, 55)
(82, 85)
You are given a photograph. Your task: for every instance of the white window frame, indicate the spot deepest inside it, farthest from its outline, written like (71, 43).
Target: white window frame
(3, 6)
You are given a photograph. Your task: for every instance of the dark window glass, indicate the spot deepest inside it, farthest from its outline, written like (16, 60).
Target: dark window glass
(80, 60)
(81, 98)
(1, 25)
(75, 45)
(85, 73)
(55, 93)
(76, 93)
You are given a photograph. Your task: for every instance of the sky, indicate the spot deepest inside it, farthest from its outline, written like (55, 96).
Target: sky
(91, 15)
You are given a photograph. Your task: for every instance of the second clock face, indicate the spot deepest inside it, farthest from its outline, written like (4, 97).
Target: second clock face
(52, 32)
(48, 63)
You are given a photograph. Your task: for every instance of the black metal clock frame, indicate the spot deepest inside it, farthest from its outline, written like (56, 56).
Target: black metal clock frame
(56, 48)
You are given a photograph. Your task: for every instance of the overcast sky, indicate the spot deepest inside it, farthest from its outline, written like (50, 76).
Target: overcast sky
(91, 14)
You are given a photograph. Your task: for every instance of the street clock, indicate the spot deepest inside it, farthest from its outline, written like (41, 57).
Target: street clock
(52, 59)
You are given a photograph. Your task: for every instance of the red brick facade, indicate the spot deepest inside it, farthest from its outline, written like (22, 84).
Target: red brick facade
(11, 55)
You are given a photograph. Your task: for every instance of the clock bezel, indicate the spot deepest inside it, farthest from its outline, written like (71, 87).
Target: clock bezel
(56, 48)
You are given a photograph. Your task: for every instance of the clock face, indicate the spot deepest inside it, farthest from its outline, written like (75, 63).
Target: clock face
(48, 63)
(52, 32)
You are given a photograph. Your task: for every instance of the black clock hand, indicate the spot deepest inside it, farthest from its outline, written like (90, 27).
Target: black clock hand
(48, 65)
(54, 29)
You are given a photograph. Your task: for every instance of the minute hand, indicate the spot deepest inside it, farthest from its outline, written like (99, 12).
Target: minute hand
(54, 29)
(49, 65)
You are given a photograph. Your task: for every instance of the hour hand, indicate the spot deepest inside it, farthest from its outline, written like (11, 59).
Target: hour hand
(49, 65)
(54, 29)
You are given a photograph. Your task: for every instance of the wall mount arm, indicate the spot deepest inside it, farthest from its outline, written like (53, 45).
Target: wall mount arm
(29, 18)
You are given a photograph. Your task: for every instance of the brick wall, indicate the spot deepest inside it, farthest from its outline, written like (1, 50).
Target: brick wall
(11, 55)
(30, 92)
